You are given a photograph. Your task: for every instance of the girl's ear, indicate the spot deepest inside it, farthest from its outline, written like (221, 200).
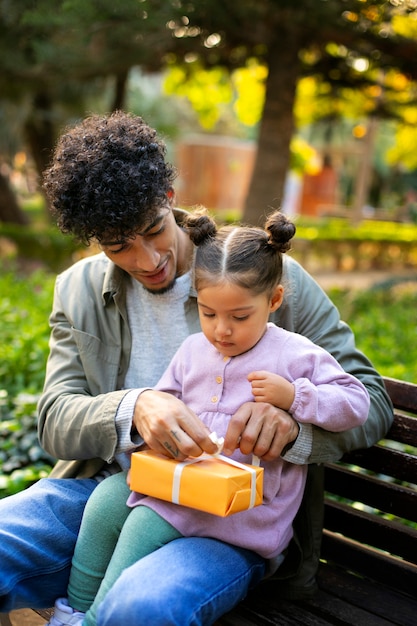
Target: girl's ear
(276, 298)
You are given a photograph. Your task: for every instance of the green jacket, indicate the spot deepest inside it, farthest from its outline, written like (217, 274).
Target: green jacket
(89, 355)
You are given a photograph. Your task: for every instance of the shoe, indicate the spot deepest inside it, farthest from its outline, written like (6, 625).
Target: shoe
(64, 615)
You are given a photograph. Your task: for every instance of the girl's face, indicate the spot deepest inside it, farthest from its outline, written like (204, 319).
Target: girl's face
(232, 318)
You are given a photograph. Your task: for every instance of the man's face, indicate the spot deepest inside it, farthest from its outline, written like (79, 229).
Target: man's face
(156, 255)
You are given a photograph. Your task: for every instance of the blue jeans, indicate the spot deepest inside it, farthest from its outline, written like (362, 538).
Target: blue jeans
(38, 530)
(191, 581)
(187, 582)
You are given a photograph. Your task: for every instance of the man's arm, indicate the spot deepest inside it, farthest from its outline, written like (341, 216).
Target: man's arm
(307, 310)
(78, 405)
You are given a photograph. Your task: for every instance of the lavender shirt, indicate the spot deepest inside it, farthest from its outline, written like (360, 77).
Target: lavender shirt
(214, 387)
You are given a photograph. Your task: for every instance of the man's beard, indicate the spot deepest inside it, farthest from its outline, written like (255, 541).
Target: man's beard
(162, 289)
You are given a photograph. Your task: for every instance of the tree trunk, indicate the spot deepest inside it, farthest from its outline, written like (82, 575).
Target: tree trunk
(120, 91)
(40, 131)
(364, 174)
(10, 210)
(40, 135)
(276, 130)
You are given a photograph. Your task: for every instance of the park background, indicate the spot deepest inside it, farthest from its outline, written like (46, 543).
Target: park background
(308, 106)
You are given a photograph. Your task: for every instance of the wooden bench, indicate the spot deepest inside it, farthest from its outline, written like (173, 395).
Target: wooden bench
(368, 569)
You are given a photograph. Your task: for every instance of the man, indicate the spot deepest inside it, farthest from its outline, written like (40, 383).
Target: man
(117, 319)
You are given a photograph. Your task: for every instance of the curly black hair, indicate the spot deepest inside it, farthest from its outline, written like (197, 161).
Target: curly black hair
(108, 175)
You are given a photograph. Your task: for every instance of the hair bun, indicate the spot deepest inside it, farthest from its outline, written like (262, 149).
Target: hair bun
(200, 226)
(281, 230)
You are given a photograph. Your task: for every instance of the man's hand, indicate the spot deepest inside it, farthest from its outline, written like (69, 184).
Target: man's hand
(169, 427)
(261, 429)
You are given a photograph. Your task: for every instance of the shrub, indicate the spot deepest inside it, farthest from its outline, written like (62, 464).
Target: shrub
(384, 322)
(43, 244)
(22, 460)
(24, 310)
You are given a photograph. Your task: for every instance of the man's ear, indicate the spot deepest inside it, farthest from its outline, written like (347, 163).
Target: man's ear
(171, 196)
(276, 298)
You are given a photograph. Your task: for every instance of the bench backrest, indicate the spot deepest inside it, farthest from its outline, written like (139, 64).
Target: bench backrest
(371, 501)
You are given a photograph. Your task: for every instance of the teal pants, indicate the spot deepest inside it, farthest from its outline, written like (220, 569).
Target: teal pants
(112, 537)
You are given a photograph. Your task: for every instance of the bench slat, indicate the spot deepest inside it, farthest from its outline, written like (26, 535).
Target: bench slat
(368, 528)
(266, 611)
(379, 494)
(384, 460)
(378, 599)
(344, 599)
(374, 565)
(403, 394)
(403, 429)
(372, 605)
(342, 611)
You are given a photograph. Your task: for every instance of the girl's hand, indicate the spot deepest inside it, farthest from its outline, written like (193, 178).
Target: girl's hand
(272, 388)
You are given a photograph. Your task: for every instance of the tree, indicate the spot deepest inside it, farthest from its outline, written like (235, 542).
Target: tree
(10, 210)
(55, 63)
(326, 38)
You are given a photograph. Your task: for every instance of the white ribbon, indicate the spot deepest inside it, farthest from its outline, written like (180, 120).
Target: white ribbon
(179, 468)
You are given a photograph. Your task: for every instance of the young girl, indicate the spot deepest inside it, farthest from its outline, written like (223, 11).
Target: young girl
(239, 357)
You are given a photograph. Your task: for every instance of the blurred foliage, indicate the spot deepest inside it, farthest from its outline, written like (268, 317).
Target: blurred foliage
(351, 73)
(46, 245)
(24, 310)
(403, 153)
(384, 320)
(208, 91)
(342, 229)
(341, 245)
(22, 460)
(39, 243)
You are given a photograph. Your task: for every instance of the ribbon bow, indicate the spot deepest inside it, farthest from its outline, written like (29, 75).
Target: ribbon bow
(219, 441)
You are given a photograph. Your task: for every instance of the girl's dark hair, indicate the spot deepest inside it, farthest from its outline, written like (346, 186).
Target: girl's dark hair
(107, 177)
(248, 256)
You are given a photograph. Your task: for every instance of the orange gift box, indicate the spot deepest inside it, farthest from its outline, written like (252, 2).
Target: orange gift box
(217, 485)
